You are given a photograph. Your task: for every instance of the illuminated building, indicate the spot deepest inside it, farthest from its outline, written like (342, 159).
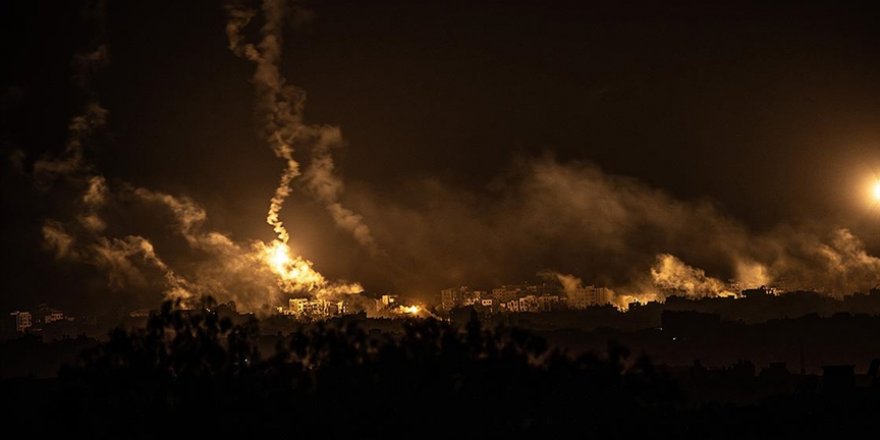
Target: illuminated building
(528, 303)
(389, 301)
(314, 308)
(548, 303)
(506, 293)
(23, 321)
(453, 297)
(513, 298)
(48, 315)
(587, 297)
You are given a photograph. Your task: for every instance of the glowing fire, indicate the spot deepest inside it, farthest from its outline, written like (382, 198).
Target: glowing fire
(623, 301)
(876, 192)
(295, 274)
(279, 257)
(409, 310)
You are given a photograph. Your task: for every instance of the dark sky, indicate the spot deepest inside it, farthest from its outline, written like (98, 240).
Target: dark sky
(769, 112)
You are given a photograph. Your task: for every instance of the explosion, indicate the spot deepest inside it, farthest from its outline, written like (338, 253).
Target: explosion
(253, 273)
(409, 310)
(296, 274)
(572, 210)
(281, 105)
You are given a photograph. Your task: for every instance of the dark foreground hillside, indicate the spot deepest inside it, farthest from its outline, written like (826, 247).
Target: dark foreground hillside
(193, 373)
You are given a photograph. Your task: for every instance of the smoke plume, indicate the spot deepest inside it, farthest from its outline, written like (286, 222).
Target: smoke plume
(280, 105)
(229, 270)
(325, 186)
(252, 273)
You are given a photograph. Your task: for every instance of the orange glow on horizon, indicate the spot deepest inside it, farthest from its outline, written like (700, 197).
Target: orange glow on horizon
(410, 310)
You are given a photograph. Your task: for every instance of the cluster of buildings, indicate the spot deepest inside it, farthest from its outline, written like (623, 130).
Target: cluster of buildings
(312, 308)
(524, 298)
(34, 321)
(318, 309)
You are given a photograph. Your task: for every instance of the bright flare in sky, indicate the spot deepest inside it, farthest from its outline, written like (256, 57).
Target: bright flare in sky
(295, 273)
(875, 191)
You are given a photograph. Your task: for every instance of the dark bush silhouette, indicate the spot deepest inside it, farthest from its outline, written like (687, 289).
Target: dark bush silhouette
(191, 372)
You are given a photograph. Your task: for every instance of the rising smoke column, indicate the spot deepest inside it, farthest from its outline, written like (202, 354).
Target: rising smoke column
(327, 187)
(281, 106)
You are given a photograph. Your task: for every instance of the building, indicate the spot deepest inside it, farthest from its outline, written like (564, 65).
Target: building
(23, 320)
(588, 296)
(510, 306)
(528, 303)
(389, 301)
(453, 297)
(547, 303)
(314, 308)
(474, 298)
(506, 293)
(759, 292)
(48, 315)
(515, 298)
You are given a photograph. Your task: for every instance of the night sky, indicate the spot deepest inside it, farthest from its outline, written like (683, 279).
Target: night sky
(484, 142)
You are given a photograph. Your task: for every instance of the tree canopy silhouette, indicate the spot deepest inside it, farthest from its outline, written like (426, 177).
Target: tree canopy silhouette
(195, 372)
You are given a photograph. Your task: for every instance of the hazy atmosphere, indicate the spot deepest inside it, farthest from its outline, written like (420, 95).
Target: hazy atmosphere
(408, 147)
(462, 219)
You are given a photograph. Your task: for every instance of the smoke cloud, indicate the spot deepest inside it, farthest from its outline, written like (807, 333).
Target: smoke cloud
(672, 275)
(254, 274)
(325, 186)
(609, 230)
(125, 260)
(70, 163)
(57, 239)
(571, 218)
(229, 270)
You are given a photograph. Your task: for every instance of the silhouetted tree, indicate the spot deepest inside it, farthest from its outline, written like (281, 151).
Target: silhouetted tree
(203, 375)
